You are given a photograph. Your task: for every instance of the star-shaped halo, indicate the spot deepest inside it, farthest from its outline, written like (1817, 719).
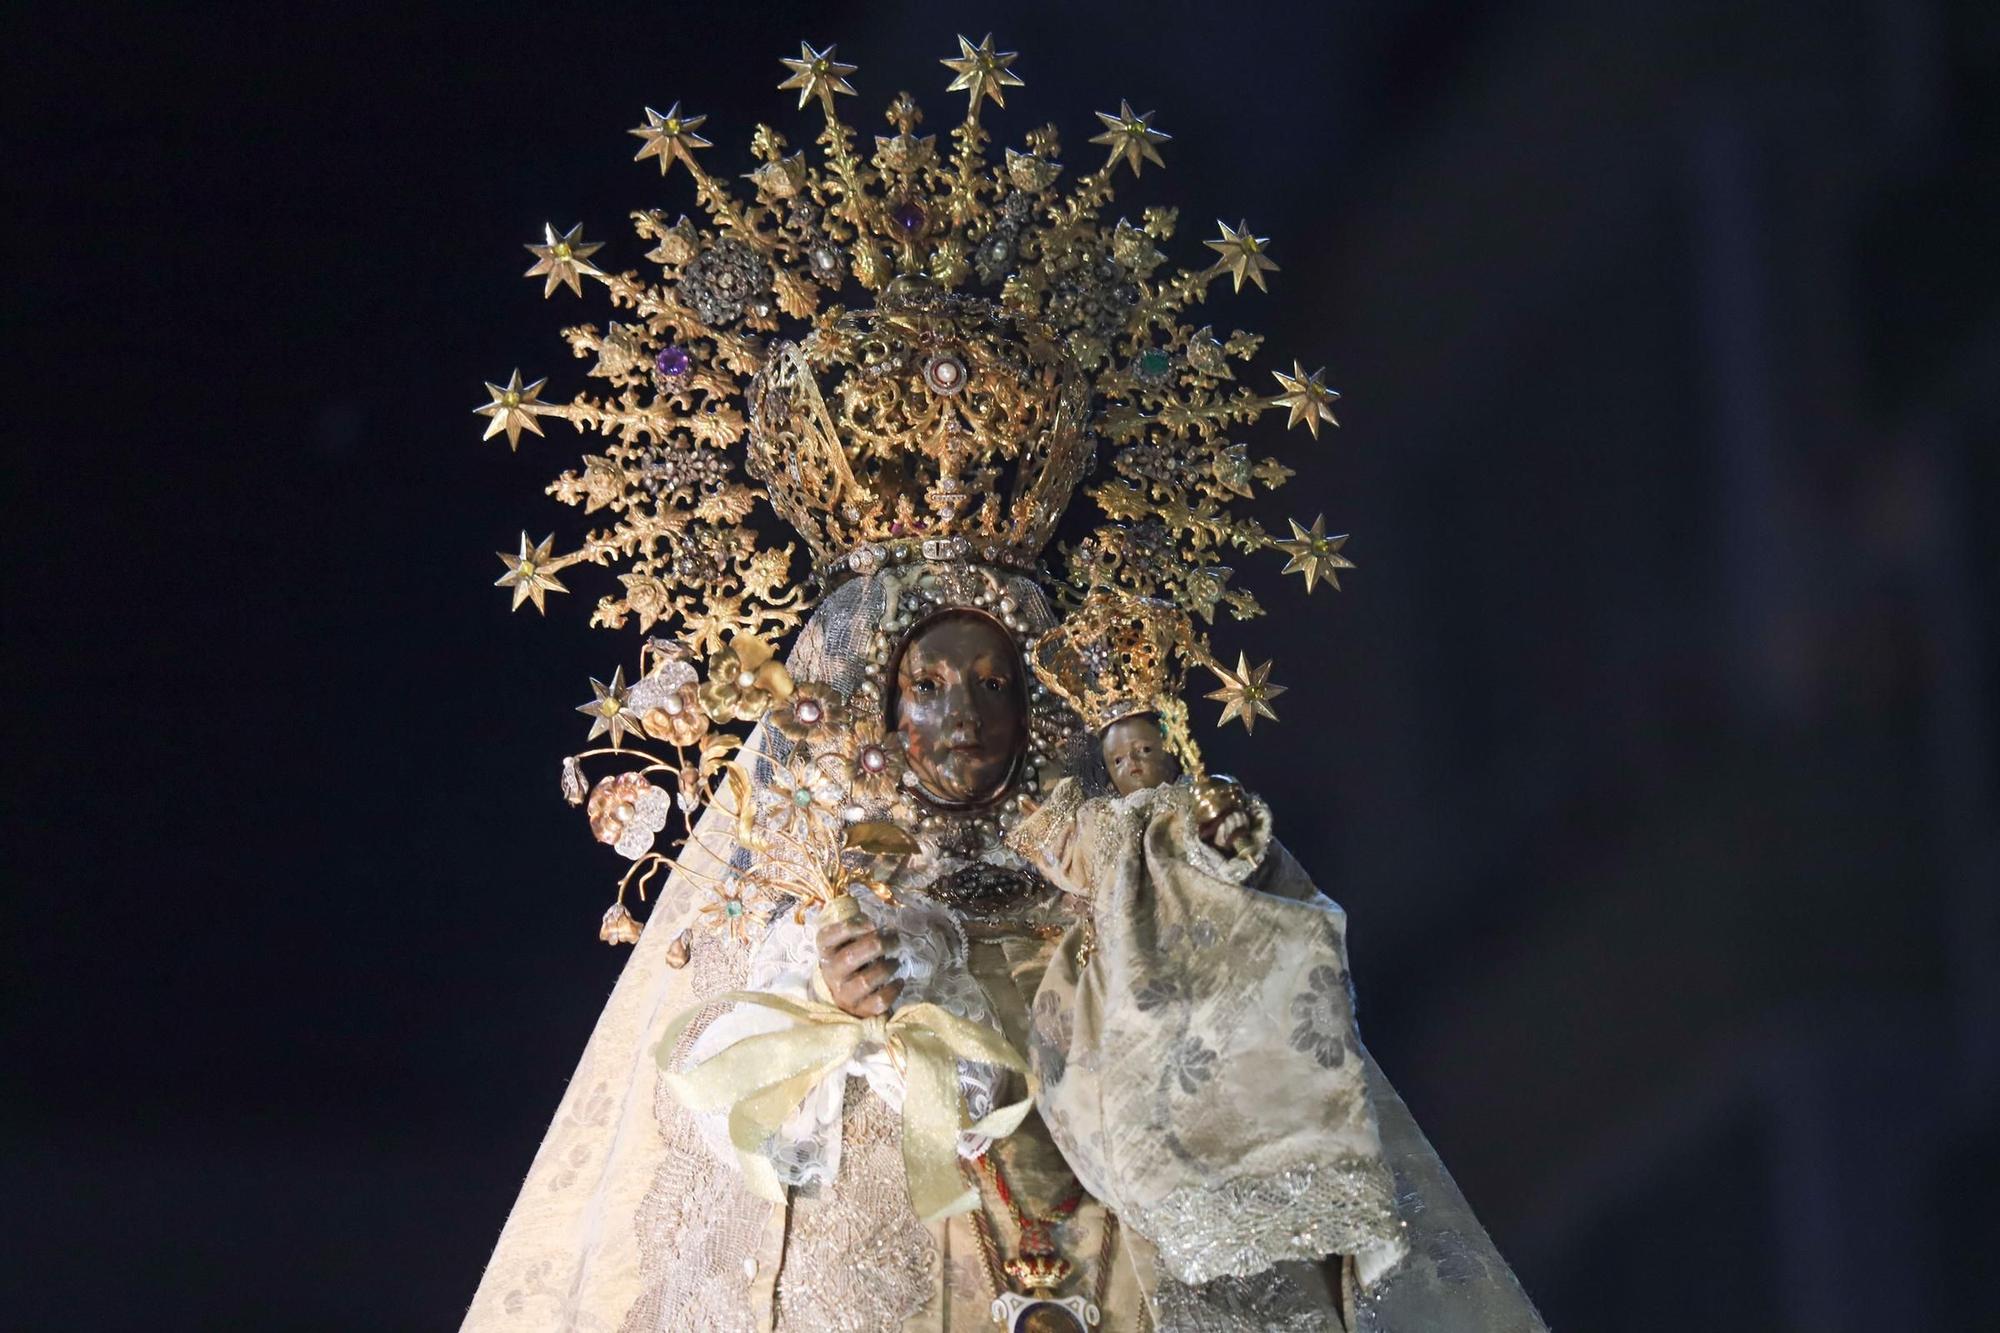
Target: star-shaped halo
(607, 712)
(562, 259)
(1308, 398)
(513, 410)
(1314, 554)
(668, 136)
(1242, 254)
(1131, 136)
(816, 74)
(1246, 693)
(531, 574)
(981, 71)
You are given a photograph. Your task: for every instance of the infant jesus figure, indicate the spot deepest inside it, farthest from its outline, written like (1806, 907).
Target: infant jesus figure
(1118, 662)
(1194, 1033)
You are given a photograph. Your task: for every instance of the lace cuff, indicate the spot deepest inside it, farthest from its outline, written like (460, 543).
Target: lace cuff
(1253, 1222)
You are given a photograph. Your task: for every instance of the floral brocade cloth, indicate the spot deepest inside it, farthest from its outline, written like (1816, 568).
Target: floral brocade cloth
(1196, 1044)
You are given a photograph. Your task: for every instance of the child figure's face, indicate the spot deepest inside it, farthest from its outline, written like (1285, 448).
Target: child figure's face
(1135, 752)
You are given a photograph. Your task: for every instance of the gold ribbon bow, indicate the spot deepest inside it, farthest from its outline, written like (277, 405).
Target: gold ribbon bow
(762, 1079)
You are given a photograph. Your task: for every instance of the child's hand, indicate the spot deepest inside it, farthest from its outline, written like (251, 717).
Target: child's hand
(1222, 816)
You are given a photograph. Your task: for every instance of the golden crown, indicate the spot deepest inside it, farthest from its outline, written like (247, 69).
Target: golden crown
(933, 418)
(1008, 330)
(1116, 656)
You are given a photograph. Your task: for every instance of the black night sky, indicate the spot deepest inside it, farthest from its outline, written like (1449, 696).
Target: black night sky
(1652, 749)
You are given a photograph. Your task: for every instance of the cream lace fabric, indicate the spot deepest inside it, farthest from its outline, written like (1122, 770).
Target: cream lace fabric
(930, 960)
(629, 1222)
(1199, 1063)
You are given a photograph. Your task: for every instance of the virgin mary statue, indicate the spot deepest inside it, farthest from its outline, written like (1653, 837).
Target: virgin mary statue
(960, 1005)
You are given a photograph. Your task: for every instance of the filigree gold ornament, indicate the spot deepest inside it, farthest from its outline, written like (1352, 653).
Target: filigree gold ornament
(1117, 656)
(914, 351)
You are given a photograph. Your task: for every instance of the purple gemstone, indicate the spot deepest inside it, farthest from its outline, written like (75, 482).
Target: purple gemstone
(909, 215)
(672, 361)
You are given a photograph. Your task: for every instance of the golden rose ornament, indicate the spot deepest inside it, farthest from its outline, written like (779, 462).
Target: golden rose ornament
(872, 757)
(745, 680)
(677, 719)
(627, 812)
(812, 714)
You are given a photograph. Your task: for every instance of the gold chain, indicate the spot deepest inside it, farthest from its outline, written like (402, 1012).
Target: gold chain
(989, 1248)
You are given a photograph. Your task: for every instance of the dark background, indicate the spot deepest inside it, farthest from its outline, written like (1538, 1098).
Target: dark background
(1651, 749)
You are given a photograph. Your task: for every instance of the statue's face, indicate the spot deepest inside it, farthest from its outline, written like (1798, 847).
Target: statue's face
(961, 707)
(1136, 754)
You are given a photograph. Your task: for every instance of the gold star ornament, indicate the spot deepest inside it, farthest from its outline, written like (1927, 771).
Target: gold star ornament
(1246, 693)
(1131, 136)
(513, 410)
(607, 712)
(563, 259)
(668, 137)
(531, 574)
(1242, 255)
(1306, 396)
(817, 74)
(1314, 554)
(982, 72)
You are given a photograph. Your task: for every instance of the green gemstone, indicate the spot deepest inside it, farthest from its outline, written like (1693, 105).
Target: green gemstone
(802, 797)
(1153, 362)
(732, 908)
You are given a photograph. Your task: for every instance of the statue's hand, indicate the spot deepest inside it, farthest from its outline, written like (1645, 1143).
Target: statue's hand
(854, 960)
(1222, 816)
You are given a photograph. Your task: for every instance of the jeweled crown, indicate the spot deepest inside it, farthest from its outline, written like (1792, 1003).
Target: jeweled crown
(1007, 333)
(1115, 656)
(933, 418)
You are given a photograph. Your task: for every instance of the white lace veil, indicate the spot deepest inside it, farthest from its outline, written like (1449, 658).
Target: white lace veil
(573, 1239)
(621, 1169)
